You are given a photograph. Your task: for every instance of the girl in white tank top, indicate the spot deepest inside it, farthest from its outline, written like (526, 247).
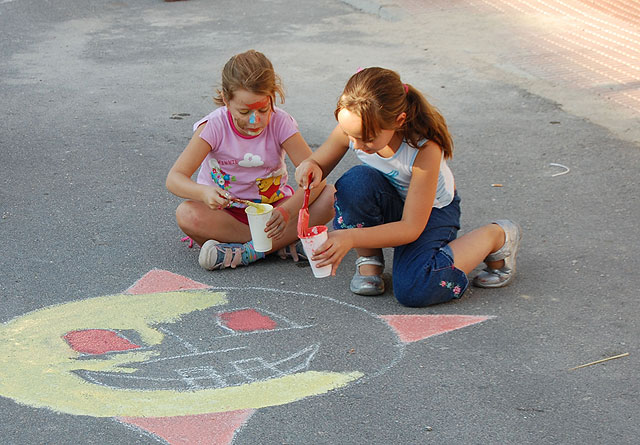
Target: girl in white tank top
(404, 198)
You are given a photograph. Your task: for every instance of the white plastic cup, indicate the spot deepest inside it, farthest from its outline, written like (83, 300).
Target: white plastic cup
(313, 239)
(257, 222)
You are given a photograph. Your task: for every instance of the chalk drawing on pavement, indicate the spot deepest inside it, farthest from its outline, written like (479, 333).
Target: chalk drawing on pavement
(171, 355)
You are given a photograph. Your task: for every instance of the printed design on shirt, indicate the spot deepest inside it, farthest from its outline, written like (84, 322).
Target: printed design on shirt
(340, 219)
(222, 179)
(391, 177)
(251, 160)
(269, 187)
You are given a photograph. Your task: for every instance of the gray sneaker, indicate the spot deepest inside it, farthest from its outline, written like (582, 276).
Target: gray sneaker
(503, 276)
(215, 255)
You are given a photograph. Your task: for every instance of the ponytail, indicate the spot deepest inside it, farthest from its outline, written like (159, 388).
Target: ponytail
(425, 121)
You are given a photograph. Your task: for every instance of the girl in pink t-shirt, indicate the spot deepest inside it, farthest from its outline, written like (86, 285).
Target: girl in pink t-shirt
(240, 149)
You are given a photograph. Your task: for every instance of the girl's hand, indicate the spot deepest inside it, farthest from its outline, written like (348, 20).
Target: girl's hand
(277, 223)
(334, 249)
(216, 198)
(303, 170)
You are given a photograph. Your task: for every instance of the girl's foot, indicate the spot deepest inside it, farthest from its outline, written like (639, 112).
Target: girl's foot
(295, 251)
(499, 277)
(368, 285)
(215, 255)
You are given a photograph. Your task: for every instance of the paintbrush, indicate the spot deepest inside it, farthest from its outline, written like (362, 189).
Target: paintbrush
(247, 202)
(303, 214)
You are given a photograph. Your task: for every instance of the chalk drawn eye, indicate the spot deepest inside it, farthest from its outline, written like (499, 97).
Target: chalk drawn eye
(246, 320)
(98, 341)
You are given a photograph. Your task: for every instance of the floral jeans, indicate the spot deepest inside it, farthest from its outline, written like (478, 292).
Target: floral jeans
(423, 271)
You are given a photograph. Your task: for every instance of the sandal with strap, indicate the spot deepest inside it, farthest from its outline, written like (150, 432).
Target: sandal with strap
(368, 285)
(295, 251)
(501, 277)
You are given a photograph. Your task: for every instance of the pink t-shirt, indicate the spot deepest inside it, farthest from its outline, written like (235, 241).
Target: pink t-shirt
(248, 167)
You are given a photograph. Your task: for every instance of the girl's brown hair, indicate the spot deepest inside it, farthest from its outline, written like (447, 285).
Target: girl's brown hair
(378, 96)
(251, 71)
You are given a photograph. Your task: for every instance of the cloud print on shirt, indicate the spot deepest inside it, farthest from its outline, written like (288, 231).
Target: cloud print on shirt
(251, 160)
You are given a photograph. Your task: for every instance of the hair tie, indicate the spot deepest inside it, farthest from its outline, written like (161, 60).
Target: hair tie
(406, 88)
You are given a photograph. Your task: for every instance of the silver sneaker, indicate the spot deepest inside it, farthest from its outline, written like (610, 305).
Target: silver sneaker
(503, 276)
(368, 285)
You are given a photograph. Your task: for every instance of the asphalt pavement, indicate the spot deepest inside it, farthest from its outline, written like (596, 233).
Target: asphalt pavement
(111, 333)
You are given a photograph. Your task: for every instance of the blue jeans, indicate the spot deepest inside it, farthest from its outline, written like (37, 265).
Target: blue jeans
(423, 271)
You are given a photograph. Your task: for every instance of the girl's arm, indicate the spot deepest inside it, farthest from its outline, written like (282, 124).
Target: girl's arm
(417, 209)
(307, 163)
(298, 150)
(179, 180)
(324, 159)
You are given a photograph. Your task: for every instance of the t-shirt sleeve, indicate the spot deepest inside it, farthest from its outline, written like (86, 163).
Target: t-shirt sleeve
(286, 126)
(210, 134)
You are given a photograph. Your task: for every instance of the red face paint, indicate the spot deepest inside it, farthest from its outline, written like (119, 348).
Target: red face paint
(258, 105)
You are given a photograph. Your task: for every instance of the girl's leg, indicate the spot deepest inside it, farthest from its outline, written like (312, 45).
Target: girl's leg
(472, 248)
(320, 213)
(500, 261)
(365, 198)
(423, 271)
(370, 269)
(225, 241)
(201, 223)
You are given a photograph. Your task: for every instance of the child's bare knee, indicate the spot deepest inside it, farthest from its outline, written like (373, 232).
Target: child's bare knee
(329, 191)
(186, 215)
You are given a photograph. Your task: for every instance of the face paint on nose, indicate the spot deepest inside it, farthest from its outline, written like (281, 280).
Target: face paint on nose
(254, 118)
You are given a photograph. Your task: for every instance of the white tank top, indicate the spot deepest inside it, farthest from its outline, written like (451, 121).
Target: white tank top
(398, 167)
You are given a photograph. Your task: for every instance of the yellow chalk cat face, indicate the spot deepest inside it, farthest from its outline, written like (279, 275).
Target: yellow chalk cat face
(160, 354)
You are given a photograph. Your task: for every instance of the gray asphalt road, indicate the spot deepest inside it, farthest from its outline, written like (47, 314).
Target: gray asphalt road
(98, 100)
